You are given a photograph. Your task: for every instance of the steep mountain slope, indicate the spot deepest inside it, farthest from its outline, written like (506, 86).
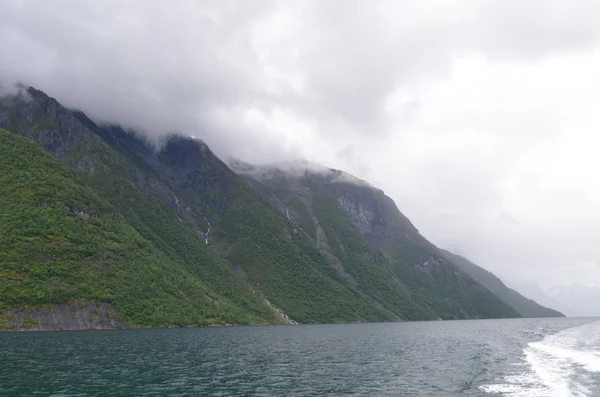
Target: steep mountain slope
(291, 269)
(190, 206)
(526, 307)
(66, 253)
(267, 250)
(534, 291)
(311, 249)
(367, 239)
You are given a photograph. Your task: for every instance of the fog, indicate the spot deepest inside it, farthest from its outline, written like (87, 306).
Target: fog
(480, 119)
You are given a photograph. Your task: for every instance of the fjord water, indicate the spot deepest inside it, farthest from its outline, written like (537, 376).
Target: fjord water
(524, 357)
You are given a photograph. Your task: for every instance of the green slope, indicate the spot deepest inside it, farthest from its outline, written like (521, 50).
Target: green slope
(170, 196)
(526, 307)
(62, 243)
(276, 260)
(376, 248)
(431, 292)
(201, 245)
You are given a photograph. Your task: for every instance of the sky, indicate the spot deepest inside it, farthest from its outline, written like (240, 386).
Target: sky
(479, 118)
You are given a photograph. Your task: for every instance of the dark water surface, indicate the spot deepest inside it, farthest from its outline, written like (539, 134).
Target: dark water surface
(544, 357)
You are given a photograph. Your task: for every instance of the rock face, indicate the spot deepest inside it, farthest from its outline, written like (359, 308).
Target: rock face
(65, 316)
(374, 214)
(43, 120)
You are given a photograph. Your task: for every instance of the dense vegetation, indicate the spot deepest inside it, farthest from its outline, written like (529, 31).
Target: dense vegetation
(62, 243)
(276, 259)
(268, 256)
(389, 276)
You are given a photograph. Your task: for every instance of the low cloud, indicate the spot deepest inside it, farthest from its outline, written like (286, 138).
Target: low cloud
(478, 118)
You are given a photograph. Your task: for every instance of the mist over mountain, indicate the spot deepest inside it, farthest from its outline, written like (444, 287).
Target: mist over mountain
(524, 305)
(465, 125)
(170, 223)
(578, 299)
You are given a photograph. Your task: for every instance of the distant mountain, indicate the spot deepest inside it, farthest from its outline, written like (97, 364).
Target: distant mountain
(526, 307)
(129, 235)
(578, 299)
(537, 293)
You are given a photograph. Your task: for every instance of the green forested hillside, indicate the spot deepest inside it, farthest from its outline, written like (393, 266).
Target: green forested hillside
(253, 253)
(172, 236)
(404, 276)
(61, 243)
(269, 252)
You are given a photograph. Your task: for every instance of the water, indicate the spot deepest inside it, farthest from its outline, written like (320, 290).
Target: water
(545, 357)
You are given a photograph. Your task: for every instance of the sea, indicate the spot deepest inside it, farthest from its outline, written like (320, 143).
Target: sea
(517, 357)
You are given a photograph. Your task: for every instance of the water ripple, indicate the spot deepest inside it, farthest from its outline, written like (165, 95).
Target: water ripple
(456, 358)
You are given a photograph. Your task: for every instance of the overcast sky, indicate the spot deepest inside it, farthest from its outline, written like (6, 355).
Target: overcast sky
(480, 118)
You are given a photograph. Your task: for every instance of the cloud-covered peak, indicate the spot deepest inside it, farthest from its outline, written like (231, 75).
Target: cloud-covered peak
(478, 118)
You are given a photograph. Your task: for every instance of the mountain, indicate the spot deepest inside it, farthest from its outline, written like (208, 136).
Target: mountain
(70, 260)
(578, 300)
(537, 293)
(526, 307)
(370, 242)
(141, 236)
(196, 211)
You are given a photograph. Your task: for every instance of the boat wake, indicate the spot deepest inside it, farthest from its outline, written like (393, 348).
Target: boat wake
(566, 364)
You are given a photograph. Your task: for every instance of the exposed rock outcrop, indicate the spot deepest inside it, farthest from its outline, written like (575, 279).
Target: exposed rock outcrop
(66, 316)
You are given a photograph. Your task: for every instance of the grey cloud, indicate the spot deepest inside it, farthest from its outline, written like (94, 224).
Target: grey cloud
(354, 54)
(149, 66)
(160, 67)
(227, 71)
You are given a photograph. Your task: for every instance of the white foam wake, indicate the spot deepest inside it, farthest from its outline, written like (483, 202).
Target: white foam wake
(559, 365)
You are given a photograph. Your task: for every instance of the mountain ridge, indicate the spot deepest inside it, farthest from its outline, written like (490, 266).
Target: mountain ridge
(525, 306)
(291, 262)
